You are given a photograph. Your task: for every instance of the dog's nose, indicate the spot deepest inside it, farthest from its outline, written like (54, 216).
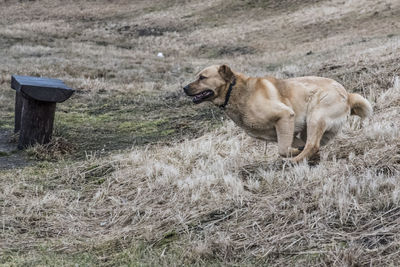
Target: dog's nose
(186, 88)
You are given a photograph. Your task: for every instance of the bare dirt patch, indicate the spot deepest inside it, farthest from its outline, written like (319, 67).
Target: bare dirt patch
(10, 157)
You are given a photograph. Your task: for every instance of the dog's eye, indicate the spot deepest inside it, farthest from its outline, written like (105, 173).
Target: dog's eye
(201, 77)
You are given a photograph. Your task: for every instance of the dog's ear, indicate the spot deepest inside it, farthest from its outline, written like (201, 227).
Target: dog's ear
(226, 73)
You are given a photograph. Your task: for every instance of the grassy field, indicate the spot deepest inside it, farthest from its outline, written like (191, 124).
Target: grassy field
(139, 175)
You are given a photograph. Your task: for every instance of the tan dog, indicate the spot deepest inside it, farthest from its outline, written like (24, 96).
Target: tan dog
(299, 113)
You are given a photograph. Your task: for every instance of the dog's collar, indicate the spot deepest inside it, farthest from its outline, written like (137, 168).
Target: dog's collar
(228, 94)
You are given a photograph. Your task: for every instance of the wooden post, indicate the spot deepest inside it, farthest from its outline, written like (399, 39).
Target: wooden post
(36, 122)
(35, 106)
(18, 110)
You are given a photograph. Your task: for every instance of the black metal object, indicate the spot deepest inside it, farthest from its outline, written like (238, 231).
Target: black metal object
(35, 105)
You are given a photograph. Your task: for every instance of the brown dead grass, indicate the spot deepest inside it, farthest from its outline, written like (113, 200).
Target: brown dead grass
(57, 149)
(217, 198)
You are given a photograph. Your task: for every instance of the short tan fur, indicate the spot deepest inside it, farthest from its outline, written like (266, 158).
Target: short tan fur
(301, 114)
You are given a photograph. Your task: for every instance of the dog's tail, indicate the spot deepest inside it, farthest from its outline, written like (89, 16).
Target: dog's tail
(359, 106)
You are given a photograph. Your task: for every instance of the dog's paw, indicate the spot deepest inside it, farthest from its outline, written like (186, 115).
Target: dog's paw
(311, 161)
(291, 152)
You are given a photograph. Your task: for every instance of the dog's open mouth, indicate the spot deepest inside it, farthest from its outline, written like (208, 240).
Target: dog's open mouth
(202, 96)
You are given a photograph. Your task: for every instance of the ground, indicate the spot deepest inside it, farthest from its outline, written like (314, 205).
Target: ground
(137, 174)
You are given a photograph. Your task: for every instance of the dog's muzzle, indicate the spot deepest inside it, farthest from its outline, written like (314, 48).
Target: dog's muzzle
(200, 97)
(185, 89)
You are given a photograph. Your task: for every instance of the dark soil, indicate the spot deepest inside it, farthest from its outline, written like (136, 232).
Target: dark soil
(10, 157)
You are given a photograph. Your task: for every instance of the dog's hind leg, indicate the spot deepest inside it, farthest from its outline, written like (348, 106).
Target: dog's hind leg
(315, 131)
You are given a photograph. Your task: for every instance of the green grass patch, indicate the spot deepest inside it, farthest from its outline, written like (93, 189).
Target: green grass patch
(145, 127)
(3, 154)
(110, 253)
(7, 121)
(122, 121)
(47, 257)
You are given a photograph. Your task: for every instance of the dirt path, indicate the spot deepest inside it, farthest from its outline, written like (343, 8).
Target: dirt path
(10, 157)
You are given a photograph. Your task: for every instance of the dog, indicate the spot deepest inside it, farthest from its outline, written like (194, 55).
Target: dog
(301, 114)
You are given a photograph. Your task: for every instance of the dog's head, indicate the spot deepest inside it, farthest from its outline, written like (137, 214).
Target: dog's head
(209, 83)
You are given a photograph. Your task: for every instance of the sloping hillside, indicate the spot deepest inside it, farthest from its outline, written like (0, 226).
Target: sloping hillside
(137, 174)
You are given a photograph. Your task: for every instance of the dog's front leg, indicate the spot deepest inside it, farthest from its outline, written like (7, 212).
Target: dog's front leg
(285, 131)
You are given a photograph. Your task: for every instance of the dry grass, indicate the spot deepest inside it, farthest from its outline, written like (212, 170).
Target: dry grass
(57, 149)
(217, 198)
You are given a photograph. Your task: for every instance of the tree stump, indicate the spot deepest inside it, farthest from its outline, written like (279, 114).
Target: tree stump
(18, 109)
(35, 106)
